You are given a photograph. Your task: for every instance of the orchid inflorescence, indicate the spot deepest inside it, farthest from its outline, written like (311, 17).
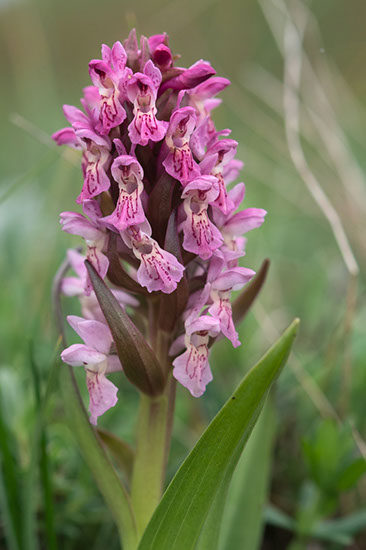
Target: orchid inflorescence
(158, 220)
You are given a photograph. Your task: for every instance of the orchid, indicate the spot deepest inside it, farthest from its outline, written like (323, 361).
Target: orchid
(95, 356)
(121, 198)
(163, 234)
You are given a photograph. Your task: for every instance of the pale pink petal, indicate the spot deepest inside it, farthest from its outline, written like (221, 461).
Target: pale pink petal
(113, 364)
(118, 58)
(245, 221)
(233, 279)
(72, 286)
(153, 73)
(192, 369)
(67, 136)
(201, 236)
(79, 354)
(94, 333)
(102, 393)
(159, 270)
(204, 323)
(221, 310)
(100, 262)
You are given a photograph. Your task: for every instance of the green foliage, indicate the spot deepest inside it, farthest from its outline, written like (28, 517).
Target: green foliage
(243, 520)
(332, 459)
(178, 520)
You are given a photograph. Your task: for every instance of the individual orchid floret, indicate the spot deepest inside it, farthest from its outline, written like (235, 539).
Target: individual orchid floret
(192, 368)
(128, 173)
(201, 236)
(96, 160)
(202, 96)
(75, 285)
(110, 76)
(221, 288)
(96, 151)
(159, 270)
(160, 51)
(189, 78)
(95, 356)
(234, 226)
(92, 232)
(142, 91)
(179, 162)
(203, 100)
(214, 163)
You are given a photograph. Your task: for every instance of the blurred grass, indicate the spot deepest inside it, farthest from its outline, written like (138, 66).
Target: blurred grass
(45, 47)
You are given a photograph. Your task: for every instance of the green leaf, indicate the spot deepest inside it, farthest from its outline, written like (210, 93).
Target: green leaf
(122, 453)
(9, 487)
(348, 525)
(278, 518)
(140, 363)
(178, 520)
(102, 469)
(210, 534)
(350, 475)
(248, 491)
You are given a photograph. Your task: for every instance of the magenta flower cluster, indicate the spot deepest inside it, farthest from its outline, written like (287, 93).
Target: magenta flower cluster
(155, 196)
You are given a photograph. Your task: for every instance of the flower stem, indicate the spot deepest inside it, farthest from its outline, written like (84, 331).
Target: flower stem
(153, 442)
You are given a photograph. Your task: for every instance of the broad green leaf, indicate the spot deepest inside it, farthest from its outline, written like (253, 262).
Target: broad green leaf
(178, 520)
(109, 485)
(140, 363)
(210, 534)
(350, 475)
(249, 486)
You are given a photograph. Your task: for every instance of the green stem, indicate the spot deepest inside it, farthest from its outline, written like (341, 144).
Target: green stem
(153, 442)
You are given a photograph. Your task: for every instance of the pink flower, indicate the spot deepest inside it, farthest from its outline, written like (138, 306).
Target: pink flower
(94, 234)
(95, 356)
(192, 368)
(180, 163)
(221, 288)
(159, 270)
(142, 91)
(128, 173)
(233, 226)
(96, 157)
(214, 163)
(110, 76)
(189, 78)
(201, 236)
(160, 52)
(151, 154)
(94, 165)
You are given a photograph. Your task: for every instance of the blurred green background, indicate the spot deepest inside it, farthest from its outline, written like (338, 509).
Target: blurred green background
(45, 47)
